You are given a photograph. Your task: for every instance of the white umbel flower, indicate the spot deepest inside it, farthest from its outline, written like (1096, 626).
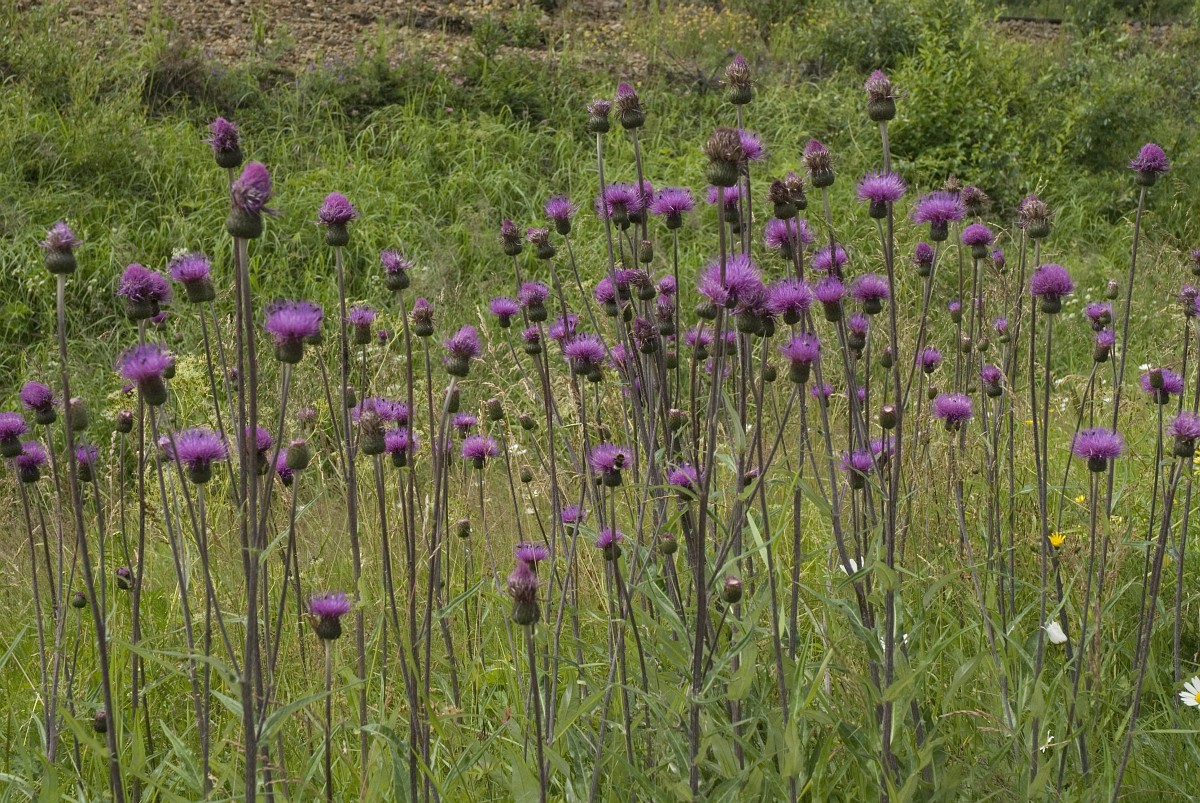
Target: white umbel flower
(1191, 693)
(1055, 632)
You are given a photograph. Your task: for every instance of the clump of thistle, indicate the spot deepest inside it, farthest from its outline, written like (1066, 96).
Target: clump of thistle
(881, 100)
(335, 214)
(292, 323)
(248, 201)
(59, 249)
(1098, 446)
(225, 142)
(1150, 163)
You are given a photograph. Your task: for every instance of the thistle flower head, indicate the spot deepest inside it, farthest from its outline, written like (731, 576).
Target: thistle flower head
(144, 363)
(931, 358)
(830, 290)
(724, 146)
(394, 262)
(938, 209)
(672, 201)
(559, 208)
(1098, 444)
(531, 552)
(607, 458)
(878, 87)
(1161, 381)
(360, 315)
(609, 538)
(399, 440)
(1105, 338)
(998, 259)
(326, 611)
(869, 287)
(1033, 215)
(790, 298)
(990, 374)
(599, 107)
(618, 201)
(533, 294)
(923, 254)
(1099, 313)
(479, 448)
(974, 200)
(464, 422)
(1150, 159)
(336, 210)
(977, 234)
(36, 397)
(817, 157)
(572, 514)
(881, 188)
(666, 286)
(464, 343)
(1185, 426)
(585, 353)
(698, 337)
(858, 324)
(821, 391)
(684, 476)
(504, 307)
(523, 588)
(1000, 325)
(859, 461)
(197, 449)
(732, 196)
(1051, 281)
(752, 146)
(801, 350)
(142, 285)
(12, 426)
(260, 440)
(293, 321)
(33, 456)
(743, 285)
(61, 238)
(563, 328)
(825, 262)
(784, 234)
(252, 189)
(952, 408)
(189, 269)
(224, 139)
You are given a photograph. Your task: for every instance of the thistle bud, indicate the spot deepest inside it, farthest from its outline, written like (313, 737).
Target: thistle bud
(781, 201)
(123, 422)
(725, 154)
(370, 433)
(598, 111)
(881, 103)
(77, 415)
(667, 545)
(124, 578)
(1033, 215)
(1112, 290)
(819, 162)
(526, 421)
(794, 183)
(494, 410)
(526, 474)
(629, 108)
(79, 600)
(298, 455)
(453, 400)
(540, 240)
(646, 255)
(350, 396)
(887, 357)
(100, 721)
(462, 528)
(739, 85)
(732, 590)
(887, 416)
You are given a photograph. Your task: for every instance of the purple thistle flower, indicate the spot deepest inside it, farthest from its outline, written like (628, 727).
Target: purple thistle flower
(559, 208)
(394, 262)
(880, 189)
(781, 235)
(977, 235)
(478, 448)
(12, 427)
(398, 440)
(830, 290)
(618, 201)
(858, 324)
(990, 375)
(197, 449)
(86, 455)
(563, 327)
(666, 286)
(1151, 160)
(1162, 383)
(30, 461)
(821, 391)
(1050, 283)
(293, 322)
(252, 189)
(336, 210)
(1099, 313)
(360, 315)
(224, 140)
(37, 398)
(60, 238)
(801, 350)
(1097, 446)
(743, 285)
(609, 538)
(824, 263)
(859, 461)
(1105, 338)
(672, 202)
(326, 612)
(790, 298)
(532, 336)
(698, 337)
(144, 363)
(752, 146)
(572, 514)
(954, 307)
(140, 285)
(684, 476)
(1000, 325)
(464, 343)
(1188, 294)
(870, 290)
(262, 439)
(531, 552)
(505, 309)
(585, 353)
(282, 470)
(608, 458)
(1186, 425)
(190, 269)
(938, 209)
(954, 409)
(998, 259)
(733, 196)
(931, 358)
(533, 294)
(464, 422)
(922, 259)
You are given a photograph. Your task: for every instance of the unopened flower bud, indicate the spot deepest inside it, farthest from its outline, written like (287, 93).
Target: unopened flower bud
(732, 591)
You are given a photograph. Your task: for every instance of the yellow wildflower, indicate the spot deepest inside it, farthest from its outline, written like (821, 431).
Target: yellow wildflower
(1057, 539)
